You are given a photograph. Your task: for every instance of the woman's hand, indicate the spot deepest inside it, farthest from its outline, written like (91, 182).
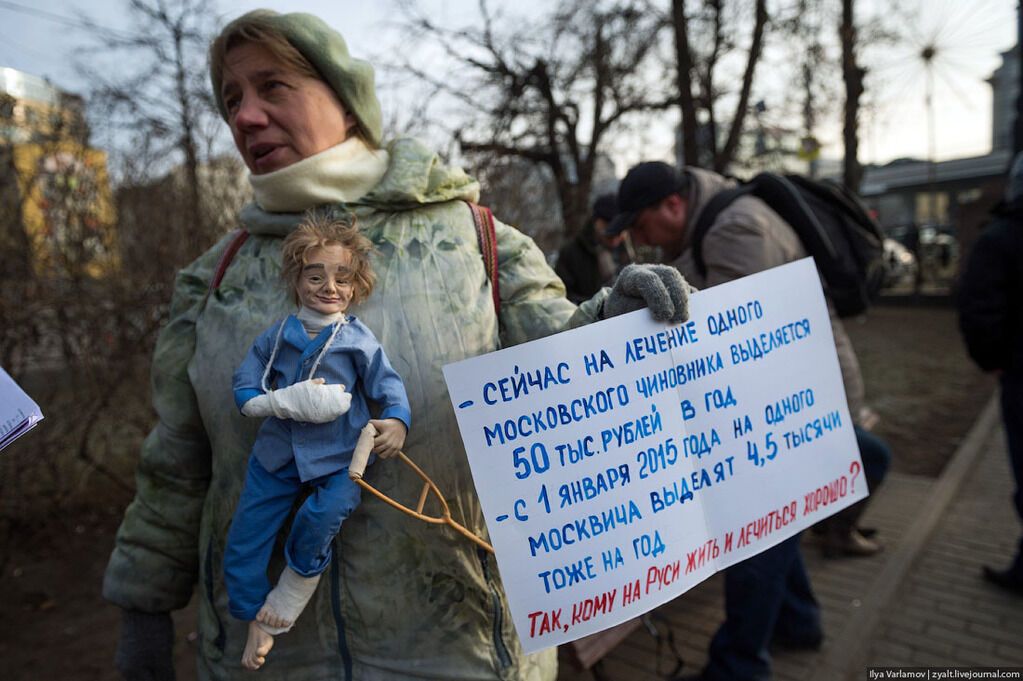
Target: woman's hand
(658, 287)
(390, 437)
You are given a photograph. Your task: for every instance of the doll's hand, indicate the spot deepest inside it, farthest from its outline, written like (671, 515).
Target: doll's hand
(310, 401)
(390, 437)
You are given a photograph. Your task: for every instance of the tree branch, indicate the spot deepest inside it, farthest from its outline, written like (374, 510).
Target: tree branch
(756, 46)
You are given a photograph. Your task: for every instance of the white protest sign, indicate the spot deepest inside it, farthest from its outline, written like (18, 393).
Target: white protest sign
(622, 463)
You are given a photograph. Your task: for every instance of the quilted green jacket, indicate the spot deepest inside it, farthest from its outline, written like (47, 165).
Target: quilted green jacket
(402, 599)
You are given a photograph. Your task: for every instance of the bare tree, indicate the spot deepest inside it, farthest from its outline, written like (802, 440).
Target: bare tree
(836, 43)
(86, 286)
(686, 99)
(156, 104)
(809, 50)
(823, 46)
(853, 75)
(16, 264)
(521, 193)
(699, 67)
(551, 92)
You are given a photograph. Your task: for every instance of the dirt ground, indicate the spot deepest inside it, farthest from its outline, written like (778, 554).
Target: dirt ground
(58, 627)
(920, 381)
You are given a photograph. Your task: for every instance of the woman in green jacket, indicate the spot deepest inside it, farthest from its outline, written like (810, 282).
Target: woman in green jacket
(405, 599)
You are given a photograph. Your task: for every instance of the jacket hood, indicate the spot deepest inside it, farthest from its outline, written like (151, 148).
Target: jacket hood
(416, 177)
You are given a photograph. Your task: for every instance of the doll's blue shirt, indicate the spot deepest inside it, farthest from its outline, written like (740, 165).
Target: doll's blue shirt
(354, 359)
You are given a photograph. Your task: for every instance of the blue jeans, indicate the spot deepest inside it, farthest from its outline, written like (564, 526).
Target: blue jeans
(766, 596)
(1012, 415)
(876, 457)
(265, 502)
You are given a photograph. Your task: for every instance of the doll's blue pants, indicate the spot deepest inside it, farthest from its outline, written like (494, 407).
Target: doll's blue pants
(265, 502)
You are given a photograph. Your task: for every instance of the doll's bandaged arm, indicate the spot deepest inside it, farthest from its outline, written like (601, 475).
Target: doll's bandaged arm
(310, 401)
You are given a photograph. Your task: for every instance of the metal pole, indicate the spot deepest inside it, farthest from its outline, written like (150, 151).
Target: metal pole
(931, 144)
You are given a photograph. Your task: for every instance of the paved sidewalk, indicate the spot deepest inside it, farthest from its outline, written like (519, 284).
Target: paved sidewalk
(921, 602)
(944, 613)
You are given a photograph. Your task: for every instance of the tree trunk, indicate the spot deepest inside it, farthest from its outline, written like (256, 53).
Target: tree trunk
(852, 74)
(709, 140)
(187, 143)
(684, 62)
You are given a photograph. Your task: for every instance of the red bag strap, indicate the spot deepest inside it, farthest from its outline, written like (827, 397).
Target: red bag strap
(483, 219)
(240, 235)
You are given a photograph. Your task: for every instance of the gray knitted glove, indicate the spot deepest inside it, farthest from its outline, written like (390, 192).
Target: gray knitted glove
(145, 651)
(658, 287)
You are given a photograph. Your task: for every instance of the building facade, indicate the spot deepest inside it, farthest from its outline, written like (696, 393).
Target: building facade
(57, 209)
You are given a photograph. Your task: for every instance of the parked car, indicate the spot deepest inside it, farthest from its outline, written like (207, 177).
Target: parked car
(936, 251)
(900, 266)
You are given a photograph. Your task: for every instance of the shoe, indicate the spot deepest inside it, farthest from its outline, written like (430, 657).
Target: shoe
(1006, 579)
(821, 527)
(851, 543)
(805, 643)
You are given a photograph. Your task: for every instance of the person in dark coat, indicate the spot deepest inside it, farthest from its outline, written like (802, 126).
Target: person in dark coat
(991, 320)
(592, 260)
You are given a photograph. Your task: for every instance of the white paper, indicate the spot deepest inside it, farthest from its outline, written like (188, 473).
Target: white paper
(622, 463)
(18, 412)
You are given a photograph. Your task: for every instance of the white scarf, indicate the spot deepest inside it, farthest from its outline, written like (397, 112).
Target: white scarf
(313, 322)
(341, 174)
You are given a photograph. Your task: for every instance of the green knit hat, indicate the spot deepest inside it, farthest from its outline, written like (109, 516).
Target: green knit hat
(324, 48)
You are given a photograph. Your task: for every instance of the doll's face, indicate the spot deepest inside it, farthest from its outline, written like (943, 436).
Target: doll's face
(325, 283)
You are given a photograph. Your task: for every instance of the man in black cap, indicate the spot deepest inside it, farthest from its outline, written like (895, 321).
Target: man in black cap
(657, 204)
(592, 259)
(768, 598)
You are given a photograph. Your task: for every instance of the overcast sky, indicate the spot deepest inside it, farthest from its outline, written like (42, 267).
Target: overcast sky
(969, 35)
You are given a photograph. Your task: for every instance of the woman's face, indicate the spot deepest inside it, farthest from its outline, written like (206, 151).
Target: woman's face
(325, 283)
(278, 116)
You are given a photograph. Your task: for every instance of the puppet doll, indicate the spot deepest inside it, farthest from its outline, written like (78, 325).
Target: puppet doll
(296, 376)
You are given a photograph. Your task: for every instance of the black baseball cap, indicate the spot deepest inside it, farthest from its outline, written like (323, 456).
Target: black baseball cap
(605, 207)
(644, 185)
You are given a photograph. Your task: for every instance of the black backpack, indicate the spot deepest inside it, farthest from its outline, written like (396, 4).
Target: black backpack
(846, 243)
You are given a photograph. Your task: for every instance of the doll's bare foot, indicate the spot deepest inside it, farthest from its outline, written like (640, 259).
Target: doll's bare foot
(270, 617)
(257, 647)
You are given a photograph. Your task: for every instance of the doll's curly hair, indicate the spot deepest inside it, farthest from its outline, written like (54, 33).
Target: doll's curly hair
(318, 230)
